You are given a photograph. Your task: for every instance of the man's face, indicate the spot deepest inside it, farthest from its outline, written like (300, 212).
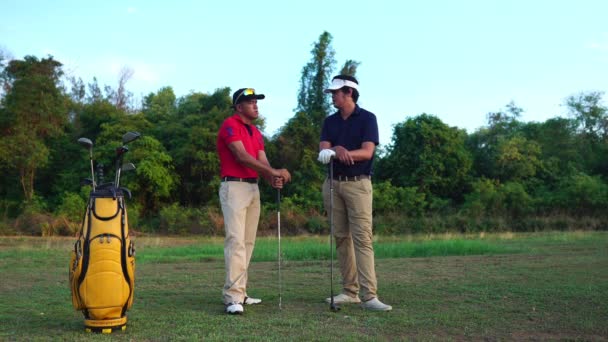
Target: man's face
(249, 109)
(339, 98)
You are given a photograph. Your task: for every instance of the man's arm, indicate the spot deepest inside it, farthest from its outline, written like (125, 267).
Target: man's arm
(242, 157)
(366, 152)
(262, 165)
(275, 181)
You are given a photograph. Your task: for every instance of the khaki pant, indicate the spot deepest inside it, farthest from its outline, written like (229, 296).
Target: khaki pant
(241, 208)
(353, 232)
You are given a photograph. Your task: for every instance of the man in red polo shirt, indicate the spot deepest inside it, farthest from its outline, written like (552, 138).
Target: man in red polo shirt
(240, 147)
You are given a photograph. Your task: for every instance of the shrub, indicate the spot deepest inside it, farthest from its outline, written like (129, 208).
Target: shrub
(317, 224)
(582, 194)
(389, 198)
(484, 200)
(516, 200)
(35, 223)
(175, 219)
(211, 221)
(72, 207)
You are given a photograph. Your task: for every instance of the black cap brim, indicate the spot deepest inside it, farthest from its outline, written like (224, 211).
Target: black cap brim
(251, 97)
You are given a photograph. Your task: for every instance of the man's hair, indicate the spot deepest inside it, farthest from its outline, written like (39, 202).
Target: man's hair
(344, 90)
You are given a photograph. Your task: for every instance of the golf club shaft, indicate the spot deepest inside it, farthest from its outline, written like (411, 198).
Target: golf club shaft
(331, 233)
(92, 171)
(279, 236)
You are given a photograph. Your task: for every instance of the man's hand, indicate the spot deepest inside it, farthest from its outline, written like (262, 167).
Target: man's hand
(344, 156)
(277, 182)
(279, 177)
(325, 155)
(285, 175)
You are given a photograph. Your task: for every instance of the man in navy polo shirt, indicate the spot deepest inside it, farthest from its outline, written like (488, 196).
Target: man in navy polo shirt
(240, 147)
(350, 137)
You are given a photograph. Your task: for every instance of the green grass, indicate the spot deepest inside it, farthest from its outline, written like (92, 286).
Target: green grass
(549, 286)
(317, 248)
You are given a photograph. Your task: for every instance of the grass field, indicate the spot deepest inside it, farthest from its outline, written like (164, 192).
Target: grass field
(541, 286)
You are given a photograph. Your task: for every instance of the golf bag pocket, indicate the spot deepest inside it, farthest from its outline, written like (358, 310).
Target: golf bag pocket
(102, 266)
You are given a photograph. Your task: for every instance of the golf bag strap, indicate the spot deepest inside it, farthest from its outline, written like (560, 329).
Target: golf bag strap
(123, 256)
(119, 207)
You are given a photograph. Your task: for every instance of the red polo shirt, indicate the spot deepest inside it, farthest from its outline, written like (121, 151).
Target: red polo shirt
(234, 129)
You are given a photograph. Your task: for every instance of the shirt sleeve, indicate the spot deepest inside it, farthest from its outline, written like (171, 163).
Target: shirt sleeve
(230, 133)
(325, 132)
(371, 130)
(260, 138)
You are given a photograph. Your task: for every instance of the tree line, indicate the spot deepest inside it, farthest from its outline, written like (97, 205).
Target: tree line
(431, 177)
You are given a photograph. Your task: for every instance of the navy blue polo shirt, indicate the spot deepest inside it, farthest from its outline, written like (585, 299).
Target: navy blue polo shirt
(359, 127)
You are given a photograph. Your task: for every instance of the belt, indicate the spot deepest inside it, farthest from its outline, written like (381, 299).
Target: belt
(351, 178)
(237, 179)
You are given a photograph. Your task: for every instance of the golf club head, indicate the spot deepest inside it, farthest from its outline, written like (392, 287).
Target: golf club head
(126, 192)
(130, 136)
(334, 307)
(121, 150)
(128, 167)
(85, 142)
(86, 181)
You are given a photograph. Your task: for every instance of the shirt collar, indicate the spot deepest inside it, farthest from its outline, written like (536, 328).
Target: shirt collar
(238, 118)
(355, 112)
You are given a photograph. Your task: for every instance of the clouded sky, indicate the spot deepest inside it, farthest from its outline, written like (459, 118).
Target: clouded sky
(457, 60)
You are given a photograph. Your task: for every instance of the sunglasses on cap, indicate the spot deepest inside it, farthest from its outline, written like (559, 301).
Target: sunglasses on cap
(246, 92)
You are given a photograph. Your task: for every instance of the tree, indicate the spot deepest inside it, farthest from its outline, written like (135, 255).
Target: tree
(427, 154)
(316, 74)
(590, 114)
(350, 68)
(34, 109)
(557, 141)
(122, 95)
(297, 141)
(160, 106)
(517, 158)
(484, 143)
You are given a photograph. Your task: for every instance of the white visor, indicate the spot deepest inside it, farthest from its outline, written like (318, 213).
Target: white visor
(338, 83)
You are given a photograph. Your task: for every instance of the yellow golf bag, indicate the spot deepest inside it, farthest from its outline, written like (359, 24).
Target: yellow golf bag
(102, 266)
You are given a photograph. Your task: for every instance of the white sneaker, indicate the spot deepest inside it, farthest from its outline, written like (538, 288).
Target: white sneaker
(234, 309)
(376, 305)
(252, 301)
(344, 299)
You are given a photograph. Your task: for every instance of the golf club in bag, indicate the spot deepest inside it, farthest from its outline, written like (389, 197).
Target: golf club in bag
(102, 265)
(332, 305)
(86, 142)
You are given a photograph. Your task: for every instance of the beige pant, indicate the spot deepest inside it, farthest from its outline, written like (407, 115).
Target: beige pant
(241, 208)
(353, 232)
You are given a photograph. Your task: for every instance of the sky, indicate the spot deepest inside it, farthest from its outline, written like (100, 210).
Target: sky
(457, 60)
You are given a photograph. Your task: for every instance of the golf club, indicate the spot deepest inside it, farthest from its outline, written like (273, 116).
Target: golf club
(120, 152)
(86, 181)
(89, 144)
(332, 306)
(130, 136)
(279, 235)
(126, 191)
(100, 176)
(123, 168)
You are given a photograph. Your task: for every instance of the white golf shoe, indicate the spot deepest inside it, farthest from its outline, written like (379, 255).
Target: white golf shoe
(252, 301)
(376, 305)
(344, 299)
(234, 309)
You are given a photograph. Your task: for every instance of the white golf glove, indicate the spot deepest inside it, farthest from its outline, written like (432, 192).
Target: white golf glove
(325, 155)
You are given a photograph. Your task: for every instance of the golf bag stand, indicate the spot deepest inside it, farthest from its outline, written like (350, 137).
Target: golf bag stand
(102, 266)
